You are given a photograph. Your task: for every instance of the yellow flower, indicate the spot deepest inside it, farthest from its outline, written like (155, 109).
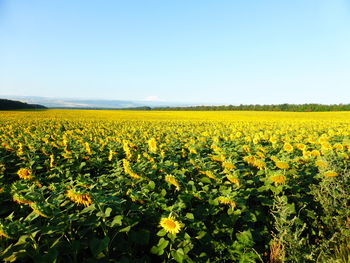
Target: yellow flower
(301, 146)
(172, 180)
(249, 159)
(19, 200)
(278, 178)
(227, 201)
(87, 148)
(321, 163)
(52, 159)
(273, 140)
(152, 145)
(256, 140)
(218, 158)
(246, 148)
(326, 146)
(233, 179)
(24, 173)
(192, 150)
(338, 147)
(274, 158)
(81, 199)
(330, 174)
(209, 174)
(260, 164)
(170, 225)
(315, 153)
(128, 170)
(3, 234)
(228, 165)
(110, 155)
(282, 165)
(288, 147)
(127, 149)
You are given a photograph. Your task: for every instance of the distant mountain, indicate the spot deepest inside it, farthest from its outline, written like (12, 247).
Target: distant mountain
(6, 104)
(57, 103)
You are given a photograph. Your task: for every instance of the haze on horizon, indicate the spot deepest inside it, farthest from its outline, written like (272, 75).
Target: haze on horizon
(229, 52)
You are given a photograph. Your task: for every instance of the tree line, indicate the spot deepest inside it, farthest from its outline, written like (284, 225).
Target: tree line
(257, 107)
(17, 105)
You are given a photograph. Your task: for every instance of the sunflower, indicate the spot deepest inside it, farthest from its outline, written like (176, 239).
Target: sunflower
(87, 148)
(228, 165)
(81, 199)
(24, 173)
(233, 179)
(246, 148)
(172, 180)
(282, 165)
(330, 174)
(301, 146)
(209, 174)
(127, 170)
(338, 147)
(260, 164)
(250, 159)
(20, 200)
(152, 145)
(170, 225)
(227, 201)
(278, 178)
(321, 163)
(218, 158)
(3, 234)
(52, 159)
(288, 147)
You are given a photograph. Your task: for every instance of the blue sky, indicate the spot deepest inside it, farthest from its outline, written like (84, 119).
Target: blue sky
(228, 52)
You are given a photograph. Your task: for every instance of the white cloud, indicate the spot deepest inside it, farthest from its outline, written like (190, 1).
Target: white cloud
(152, 98)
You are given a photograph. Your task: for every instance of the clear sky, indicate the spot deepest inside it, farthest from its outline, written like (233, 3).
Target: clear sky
(216, 51)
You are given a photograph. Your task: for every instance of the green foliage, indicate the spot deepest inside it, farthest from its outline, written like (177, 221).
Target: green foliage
(95, 192)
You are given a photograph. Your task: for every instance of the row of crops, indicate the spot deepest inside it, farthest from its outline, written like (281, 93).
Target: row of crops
(103, 186)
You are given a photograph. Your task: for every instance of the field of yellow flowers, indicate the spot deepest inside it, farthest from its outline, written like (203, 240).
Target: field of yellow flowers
(121, 186)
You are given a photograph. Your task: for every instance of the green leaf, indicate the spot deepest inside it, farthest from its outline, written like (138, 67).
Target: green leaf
(163, 243)
(157, 251)
(178, 255)
(22, 240)
(108, 211)
(245, 238)
(151, 185)
(190, 216)
(98, 245)
(125, 229)
(90, 208)
(117, 220)
(161, 233)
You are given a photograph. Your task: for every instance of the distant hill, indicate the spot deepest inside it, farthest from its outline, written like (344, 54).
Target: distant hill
(76, 103)
(6, 104)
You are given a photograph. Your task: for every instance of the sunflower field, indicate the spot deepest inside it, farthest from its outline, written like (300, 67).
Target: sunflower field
(121, 186)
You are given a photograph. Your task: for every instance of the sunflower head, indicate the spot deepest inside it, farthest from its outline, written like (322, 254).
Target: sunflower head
(278, 178)
(170, 225)
(80, 199)
(152, 145)
(172, 180)
(330, 174)
(24, 173)
(282, 165)
(288, 147)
